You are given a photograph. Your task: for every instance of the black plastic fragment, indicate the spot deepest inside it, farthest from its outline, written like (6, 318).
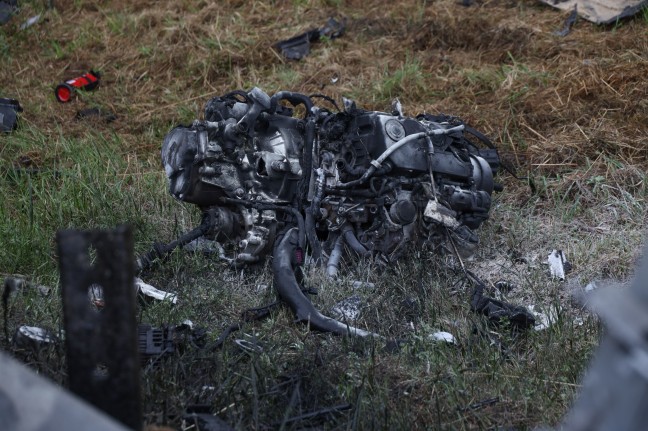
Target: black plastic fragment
(7, 9)
(107, 116)
(499, 312)
(155, 343)
(298, 47)
(206, 422)
(569, 23)
(9, 109)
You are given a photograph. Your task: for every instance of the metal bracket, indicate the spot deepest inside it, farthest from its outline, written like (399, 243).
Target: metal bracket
(102, 355)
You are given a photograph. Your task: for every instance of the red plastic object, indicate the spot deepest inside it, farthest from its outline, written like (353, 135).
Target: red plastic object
(299, 256)
(86, 82)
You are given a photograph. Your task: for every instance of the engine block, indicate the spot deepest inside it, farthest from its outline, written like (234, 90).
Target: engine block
(373, 181)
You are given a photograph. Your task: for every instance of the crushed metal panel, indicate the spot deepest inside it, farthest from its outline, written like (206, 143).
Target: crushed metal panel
(103, 362)
(29, 402)
(600, 11)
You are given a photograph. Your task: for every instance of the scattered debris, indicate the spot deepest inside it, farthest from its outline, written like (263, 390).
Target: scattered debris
(106, 116)
(481, 404)
(443, 336)
(204, 422)
(156, 343)
(327, 411)
(298, 47)
(34, 338)
(249, 346)
(148, 292)
(504, 286)
(86, 82)
(544, 319)
(499, 312)
(9, 109)
(569, 23)
(30, 21)
(7, 9)
(591, 286)
(362, 285)
(601, 11)
(15, 284)
(558, 264)
(348, 309)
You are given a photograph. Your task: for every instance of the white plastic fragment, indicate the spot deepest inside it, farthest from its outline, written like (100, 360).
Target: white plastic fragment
(31, 21)
(34, 334)
(544, 319)
(591, 286)
(152, 292)
(348, 308)
(556, 260)
(443, 336)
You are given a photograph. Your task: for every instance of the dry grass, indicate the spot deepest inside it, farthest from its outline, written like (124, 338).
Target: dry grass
(571, 113)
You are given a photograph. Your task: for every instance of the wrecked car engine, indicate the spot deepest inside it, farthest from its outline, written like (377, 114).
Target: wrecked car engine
(283, 175)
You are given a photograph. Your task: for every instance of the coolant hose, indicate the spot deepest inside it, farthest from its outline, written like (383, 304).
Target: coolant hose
(290, 291)
(352, 241)
(334, 259)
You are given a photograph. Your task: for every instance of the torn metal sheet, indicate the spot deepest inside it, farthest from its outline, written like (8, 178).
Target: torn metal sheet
(600, 11)
(29, 402)
(102, 357)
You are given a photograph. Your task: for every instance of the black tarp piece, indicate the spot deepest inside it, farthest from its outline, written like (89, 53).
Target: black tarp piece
(600, 11)
(9, 109)
(298, 47)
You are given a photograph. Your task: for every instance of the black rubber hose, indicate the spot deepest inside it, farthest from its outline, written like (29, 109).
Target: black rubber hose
(161, 250)
(290, 291)
(352, 241)
(307, 153)
(294, 98)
